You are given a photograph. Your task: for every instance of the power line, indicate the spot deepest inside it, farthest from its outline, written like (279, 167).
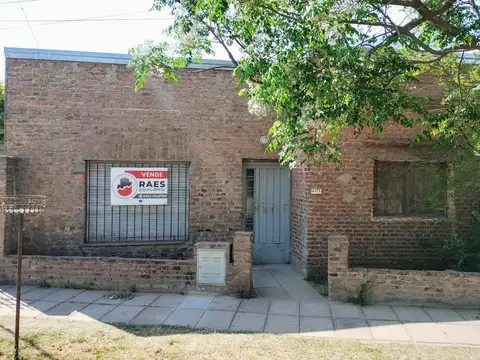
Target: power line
(81, 20)
(29, 25)
(16, 2)
(101, 17)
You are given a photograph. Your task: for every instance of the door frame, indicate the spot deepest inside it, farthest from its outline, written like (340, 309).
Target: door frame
(255, 164)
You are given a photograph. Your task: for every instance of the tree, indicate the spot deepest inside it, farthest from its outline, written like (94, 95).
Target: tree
(324, 65)
(2, 111)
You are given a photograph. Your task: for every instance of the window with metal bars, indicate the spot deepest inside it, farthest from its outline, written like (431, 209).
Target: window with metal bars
(136, 223)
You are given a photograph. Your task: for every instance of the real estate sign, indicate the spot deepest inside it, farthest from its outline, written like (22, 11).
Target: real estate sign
(139, 186)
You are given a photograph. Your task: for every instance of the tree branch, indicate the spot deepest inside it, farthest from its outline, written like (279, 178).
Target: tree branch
(475, 7)
(438, 58)
(458, 76)
(282, 14)
(220, 40)
(432, 16)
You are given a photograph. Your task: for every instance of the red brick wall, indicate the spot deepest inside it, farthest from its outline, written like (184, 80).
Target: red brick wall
(146, 275)
(299, 219)
(345, 207)
(446, 287)
(60, 113)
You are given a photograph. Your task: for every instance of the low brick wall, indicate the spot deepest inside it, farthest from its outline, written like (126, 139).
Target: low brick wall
(411, 286)
(155, 275)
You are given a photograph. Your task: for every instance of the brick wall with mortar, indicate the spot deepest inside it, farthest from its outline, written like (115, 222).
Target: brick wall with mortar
(346, 206)
(427, 287)
(60, 113)
(92, 112)
(299, 219)
(156, 275)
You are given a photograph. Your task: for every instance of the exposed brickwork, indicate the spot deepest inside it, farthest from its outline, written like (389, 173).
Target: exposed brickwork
(147, 275)
(59, 114)
(92, 112)
(299, 219)
(447, 287)
(345, 207)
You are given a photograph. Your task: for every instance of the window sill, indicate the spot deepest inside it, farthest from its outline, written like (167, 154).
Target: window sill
(137, 243)
(410, 218)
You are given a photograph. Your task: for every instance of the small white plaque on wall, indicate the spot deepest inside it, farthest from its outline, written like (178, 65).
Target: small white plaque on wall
(211, 267)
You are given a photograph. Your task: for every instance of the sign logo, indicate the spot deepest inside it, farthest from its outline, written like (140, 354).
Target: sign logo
(139, 186)
(126, 186)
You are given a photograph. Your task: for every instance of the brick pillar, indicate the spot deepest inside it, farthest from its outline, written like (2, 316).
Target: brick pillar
(8, 168)
(242, 281)
(337, 266)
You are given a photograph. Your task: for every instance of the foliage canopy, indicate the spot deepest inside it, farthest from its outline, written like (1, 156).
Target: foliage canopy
(324, 65)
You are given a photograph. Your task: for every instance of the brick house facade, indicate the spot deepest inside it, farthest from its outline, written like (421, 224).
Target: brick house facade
(66, 108)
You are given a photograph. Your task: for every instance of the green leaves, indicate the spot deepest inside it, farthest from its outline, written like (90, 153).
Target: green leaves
(325, 65)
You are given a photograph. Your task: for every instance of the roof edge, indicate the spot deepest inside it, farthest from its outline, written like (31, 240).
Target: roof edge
(94, 57)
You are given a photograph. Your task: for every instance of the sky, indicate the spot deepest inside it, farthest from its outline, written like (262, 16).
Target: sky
(114, 35)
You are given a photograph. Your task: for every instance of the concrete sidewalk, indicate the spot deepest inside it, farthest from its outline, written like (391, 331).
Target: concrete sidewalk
(289, 306)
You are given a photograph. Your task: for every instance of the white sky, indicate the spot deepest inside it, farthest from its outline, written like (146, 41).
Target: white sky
(101, 36)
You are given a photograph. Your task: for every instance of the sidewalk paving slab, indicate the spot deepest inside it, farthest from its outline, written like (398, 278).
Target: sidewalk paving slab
(63, 295)
(379, 312)
(38, 294)
(284, 307)
(346, 311)
(142, 299)
(196, 302)
(443, 315)
(272, 293)
(122, 314)
(152, 316)
(259, 306)
(388, 330)
(461, 334)
(297, 294)
(105, 299)
(92, 312)
(317, 326)
(216, 320)
(12, 291)
(184, 317)
(282, 324)
(352, 329)
(89, 296)
(169, 301)
(63, 310)
(224, 303)
(314, 308)
(472, 317)
(36, 308)
(244, 321)
(265, 279)
(411, 314)
(426, 332)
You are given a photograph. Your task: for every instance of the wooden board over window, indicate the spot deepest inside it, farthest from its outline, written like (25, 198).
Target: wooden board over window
(409, 189)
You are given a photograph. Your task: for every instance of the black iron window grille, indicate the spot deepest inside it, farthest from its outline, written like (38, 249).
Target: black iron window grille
(136, 223)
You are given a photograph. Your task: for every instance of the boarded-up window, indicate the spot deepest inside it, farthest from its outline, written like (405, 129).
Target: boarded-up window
(409, 189)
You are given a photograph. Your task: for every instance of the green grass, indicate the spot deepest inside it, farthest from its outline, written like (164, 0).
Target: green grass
(61, 340)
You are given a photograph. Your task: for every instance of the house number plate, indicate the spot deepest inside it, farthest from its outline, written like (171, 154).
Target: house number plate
(211, 267)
